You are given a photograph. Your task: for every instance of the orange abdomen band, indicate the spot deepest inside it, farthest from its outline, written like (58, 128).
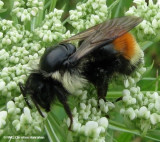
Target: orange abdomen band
(125, 44)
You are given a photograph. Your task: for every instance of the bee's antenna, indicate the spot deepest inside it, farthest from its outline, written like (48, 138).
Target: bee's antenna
(24, 94)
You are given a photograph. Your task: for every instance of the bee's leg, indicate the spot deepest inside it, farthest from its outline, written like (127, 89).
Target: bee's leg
(102, 85)
(102, 90)
(62, 97)
(37, 106)
(119, 99)
(68, 111)
(63, 100)
(23, 91)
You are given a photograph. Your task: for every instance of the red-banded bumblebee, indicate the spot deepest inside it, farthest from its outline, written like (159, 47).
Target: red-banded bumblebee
(104, 50)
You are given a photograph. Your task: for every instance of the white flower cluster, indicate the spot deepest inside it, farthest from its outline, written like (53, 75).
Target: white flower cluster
(52, 29)
(25, 14)
(131, 81)
(10, 77)
(3, 118)
(4, 56)
(90, 118)
(9, 34)
(21, 119)
(151, 15)
(14, 69)
(88, 14)
(144, 108)
(1, 4)
(18, 48)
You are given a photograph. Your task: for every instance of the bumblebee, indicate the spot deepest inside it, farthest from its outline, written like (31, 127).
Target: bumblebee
(104, 50)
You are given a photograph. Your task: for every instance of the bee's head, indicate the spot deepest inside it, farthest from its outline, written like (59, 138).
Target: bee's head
(40, 89)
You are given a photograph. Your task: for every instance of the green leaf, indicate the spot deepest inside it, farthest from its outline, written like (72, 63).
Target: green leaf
(110, 136)
(113, 4)
(148, 69)
(56, 123)
(119, 127)
(155, 133)
(50, 132)
(118, 9)
(3, 10)
(145, 45)
(125, 137)
(110, 8)
(47, 5)
(114, 94)
(3, 139)
(121, 8)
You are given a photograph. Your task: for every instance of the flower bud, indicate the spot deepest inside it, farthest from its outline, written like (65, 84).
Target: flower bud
(130, 112)
(155, 118)
(103, 121)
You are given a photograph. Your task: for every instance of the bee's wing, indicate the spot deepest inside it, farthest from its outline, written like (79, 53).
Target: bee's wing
(83, 35)
(102, 34)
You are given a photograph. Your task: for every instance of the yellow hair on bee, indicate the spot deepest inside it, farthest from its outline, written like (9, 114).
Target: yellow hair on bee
(128, 47)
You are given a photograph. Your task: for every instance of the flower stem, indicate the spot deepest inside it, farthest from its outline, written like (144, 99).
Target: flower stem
(53, 4)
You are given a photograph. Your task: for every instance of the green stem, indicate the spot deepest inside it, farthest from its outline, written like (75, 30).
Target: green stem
(2, 108)
(113, 5)
(157, 80)
(33, 22)
(53, 4)
(117, 94)
(150, 78)
(27, 25)
(39, 18)
(47, 5)
(66, 20)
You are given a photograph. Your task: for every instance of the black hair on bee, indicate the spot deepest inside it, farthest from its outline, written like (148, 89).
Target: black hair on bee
(105, 49)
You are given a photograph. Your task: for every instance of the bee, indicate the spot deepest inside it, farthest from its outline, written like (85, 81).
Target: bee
(105, 49)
